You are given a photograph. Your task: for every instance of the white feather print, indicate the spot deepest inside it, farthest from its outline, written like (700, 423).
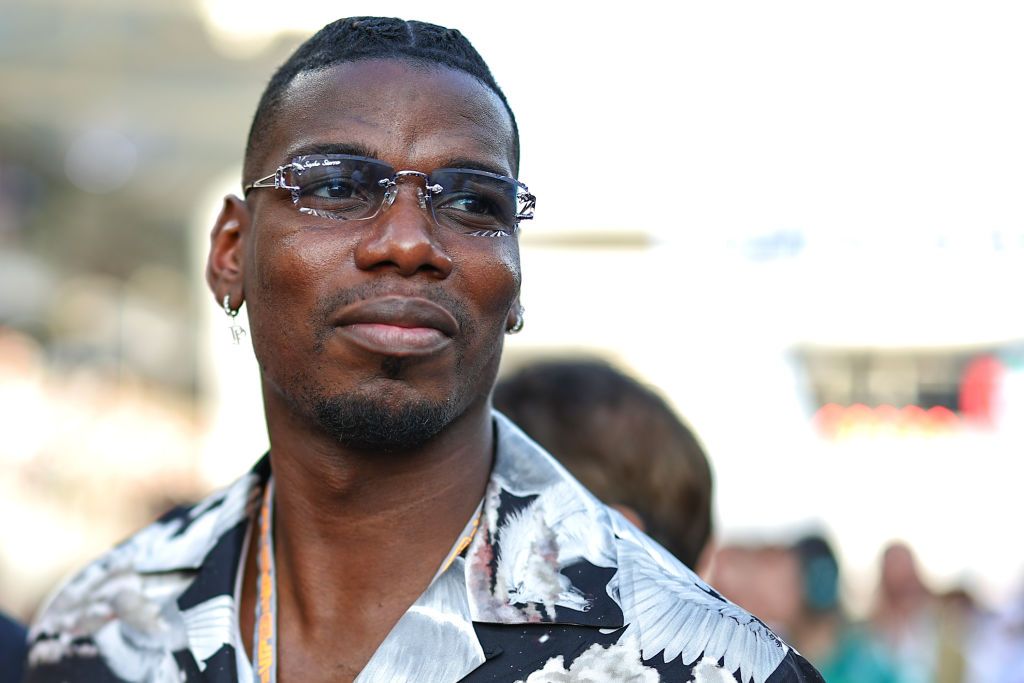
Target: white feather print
(209, 626)
(528, 568)
(132, 620)
(556, 530)
(126, 601)
(580, 525)
(671, 612)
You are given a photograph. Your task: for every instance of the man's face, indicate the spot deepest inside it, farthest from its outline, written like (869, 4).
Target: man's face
(382, 331)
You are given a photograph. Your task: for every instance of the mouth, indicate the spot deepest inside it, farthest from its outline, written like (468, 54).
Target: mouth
(397, 326)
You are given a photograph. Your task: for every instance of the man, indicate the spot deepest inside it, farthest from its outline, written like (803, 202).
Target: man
(620, 440)
(398, 530)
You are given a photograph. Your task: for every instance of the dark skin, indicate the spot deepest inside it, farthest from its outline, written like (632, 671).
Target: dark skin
(360, 534)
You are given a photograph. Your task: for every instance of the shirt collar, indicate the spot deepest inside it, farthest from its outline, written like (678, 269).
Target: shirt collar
(543, 552)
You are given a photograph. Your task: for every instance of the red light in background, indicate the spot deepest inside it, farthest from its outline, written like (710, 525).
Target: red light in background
(979, 389)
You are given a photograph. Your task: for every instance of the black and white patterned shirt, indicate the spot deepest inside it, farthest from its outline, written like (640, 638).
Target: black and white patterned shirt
(553, 587)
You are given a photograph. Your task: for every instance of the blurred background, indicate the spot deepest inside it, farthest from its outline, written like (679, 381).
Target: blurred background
(801, 222)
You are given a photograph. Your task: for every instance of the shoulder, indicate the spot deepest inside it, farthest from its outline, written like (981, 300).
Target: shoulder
(120, 614)
(550, 545)
(680, 623)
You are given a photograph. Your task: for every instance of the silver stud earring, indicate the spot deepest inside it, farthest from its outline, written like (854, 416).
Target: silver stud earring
(237, 331)
(520, 321)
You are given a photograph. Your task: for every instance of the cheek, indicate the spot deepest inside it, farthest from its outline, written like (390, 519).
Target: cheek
(288, 268)
(503, 275)
(495, 279)
(510, 257)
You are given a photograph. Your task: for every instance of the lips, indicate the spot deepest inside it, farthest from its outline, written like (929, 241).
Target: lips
(397, 326)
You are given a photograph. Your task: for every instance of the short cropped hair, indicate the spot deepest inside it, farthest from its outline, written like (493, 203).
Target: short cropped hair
(361, 38)
(622, 441)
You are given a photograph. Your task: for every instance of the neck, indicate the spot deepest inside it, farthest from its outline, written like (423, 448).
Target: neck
(390, 506)
(359, 536)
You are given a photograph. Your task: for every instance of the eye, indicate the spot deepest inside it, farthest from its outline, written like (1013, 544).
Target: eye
(474, 203)
(335, 188)
(471, 203)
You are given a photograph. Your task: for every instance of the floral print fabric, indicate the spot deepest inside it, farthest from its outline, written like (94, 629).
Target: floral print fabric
(554, 587)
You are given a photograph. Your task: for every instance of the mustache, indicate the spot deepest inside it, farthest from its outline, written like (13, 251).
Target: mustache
(328, 308)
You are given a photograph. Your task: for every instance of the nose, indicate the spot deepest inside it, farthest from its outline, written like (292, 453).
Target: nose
(403, 238)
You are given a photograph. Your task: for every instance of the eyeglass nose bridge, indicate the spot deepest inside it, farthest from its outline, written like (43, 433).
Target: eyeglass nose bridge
(391, 185)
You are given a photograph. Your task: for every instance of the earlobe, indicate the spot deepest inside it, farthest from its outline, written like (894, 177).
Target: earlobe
(631, 514)
(224, 266)
(514, 322)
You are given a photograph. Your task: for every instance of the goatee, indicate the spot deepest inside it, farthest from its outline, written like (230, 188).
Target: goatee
(361, 423)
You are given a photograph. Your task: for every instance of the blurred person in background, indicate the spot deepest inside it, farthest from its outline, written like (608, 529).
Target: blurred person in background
(12, 650)
(762, 578)
(925, 635)
(903, 603)
(623, 442)
(843, 652)
(997, 655)
(399, 529)
(960, 620)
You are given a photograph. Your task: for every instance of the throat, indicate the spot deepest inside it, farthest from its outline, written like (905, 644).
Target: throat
(338, 595)
(357, 538)
(331, 619)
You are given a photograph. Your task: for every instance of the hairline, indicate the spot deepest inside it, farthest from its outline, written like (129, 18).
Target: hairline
(267, 116)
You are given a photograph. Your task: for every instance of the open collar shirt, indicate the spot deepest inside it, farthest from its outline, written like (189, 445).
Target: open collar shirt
(545, 585)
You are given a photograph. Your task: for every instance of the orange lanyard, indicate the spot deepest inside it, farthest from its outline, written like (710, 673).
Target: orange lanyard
(264, 651)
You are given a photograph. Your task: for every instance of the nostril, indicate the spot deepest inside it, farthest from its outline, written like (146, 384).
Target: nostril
(403, 239)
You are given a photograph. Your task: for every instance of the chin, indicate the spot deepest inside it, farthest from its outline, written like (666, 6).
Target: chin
(368, 423)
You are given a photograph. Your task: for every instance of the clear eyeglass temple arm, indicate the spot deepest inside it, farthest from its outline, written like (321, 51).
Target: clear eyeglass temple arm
(275, 180)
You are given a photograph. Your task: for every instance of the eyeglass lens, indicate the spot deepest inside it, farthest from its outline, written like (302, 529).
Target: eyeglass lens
(354, 188)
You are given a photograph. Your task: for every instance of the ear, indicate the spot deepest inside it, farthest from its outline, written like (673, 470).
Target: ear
(515, 316)
(631, 514)
(224, 267)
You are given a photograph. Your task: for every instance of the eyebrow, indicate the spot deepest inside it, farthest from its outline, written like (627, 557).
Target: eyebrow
(358, 150)
(475, 165)
(351, 149)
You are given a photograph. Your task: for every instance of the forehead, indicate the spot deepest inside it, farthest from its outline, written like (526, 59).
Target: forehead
(408, 114)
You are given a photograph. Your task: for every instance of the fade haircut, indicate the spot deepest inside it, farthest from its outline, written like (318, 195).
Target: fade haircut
(360, 38)
(622, 441)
